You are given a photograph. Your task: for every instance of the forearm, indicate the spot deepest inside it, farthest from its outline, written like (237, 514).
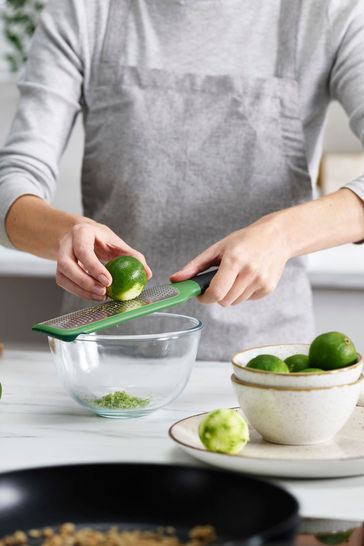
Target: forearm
(333, 220)
(36, 227)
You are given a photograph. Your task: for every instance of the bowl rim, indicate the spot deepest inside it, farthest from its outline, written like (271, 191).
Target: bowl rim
(283, 374)
(198, 325)
(238, 381)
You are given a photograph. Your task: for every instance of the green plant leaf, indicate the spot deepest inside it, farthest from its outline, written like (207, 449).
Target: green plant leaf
(16, 4)
(13, 62)
(15, 40)
(20, 20)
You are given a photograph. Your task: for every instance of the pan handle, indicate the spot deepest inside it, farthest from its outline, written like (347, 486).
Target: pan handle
(204, 279)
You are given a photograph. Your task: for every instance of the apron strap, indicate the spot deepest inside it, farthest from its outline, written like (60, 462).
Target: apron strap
(289, 20)
(113, 47)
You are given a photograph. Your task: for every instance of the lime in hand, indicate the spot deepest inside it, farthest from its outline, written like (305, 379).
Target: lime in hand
(268, 363)
(296, 363)
(128, 278)
(331, 351)
(224, 431)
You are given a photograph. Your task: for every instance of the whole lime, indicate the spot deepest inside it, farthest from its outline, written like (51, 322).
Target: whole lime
(296, 363)
(331, 351)
(334, 539)
(312, 370)
(128, 278)
(223, 431)
(268, 363)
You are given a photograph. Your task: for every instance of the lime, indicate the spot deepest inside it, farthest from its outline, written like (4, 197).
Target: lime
(331, 351)
(128, 278)
(311, 370)
(268, 363)
(1, 391)
(296, 363)
(223, 431)
(333, 539)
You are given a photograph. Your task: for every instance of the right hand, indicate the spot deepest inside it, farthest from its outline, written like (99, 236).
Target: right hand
(81, 251)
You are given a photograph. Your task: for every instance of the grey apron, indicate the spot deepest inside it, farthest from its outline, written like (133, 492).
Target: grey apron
(175, 162)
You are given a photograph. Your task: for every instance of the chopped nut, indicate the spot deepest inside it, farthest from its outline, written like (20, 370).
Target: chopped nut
(67, 528)
(34, 533)
(48, 532)
(20, 537)
(68, 535)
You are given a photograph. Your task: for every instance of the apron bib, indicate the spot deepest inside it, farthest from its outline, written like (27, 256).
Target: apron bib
(174, 162)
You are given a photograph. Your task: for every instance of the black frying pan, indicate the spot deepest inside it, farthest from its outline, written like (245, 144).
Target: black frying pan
(242, 509)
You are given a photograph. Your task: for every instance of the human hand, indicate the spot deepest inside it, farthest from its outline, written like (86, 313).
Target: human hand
(81, 251)
(251, 262)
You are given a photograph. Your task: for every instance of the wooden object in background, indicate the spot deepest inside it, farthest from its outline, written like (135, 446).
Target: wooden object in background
(1, 348)
(337, 169)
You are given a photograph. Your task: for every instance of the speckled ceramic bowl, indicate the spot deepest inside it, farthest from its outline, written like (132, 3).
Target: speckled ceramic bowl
(297, 416)
(331, 378)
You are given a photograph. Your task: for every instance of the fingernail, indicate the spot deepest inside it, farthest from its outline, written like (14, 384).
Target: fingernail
(98, 298)
(103, 280)
(99, 290)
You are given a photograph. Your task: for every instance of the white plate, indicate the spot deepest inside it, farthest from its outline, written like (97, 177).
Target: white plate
(341, 457)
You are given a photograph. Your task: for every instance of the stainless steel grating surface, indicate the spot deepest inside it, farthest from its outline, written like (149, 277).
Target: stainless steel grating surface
(111, 308)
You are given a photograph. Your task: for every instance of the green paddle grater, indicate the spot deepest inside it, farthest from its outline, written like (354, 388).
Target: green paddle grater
(105, 315)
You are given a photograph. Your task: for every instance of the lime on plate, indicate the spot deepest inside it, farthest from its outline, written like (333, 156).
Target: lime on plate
(128, 278)
(331, 351)
(268, 363)
(223, 431)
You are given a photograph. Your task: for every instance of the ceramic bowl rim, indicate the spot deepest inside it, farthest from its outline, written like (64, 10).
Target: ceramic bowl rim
(242, 383)
(296, 374)
(196, 327)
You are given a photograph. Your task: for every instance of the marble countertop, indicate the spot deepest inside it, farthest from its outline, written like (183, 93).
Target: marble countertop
(40, 425)
(341, 267)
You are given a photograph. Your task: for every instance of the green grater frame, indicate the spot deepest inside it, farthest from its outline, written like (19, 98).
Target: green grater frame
(111, 313)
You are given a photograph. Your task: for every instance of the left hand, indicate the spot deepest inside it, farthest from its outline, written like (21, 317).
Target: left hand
(251, 262)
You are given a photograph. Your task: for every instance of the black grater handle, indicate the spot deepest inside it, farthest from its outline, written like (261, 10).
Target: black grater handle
(204, 279)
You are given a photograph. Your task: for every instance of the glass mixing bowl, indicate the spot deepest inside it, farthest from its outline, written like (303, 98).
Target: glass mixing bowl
(132, 369)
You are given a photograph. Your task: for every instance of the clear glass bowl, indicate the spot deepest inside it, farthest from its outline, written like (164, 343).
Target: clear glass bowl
(130, 370)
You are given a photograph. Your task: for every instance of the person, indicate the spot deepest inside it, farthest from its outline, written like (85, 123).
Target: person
(203, 127)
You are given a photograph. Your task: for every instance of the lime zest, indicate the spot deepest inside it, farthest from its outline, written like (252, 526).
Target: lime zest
(120, 400)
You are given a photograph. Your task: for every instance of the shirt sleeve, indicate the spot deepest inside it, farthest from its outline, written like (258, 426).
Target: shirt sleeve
(50, 99)
(347, 74)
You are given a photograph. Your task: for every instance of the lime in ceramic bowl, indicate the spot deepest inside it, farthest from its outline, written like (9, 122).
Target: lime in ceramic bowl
(130, 370)
(341, 376)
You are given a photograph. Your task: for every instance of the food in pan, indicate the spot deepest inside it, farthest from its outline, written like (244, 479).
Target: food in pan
(69, 535)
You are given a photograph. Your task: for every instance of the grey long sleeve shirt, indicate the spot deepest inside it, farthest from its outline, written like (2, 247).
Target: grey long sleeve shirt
(206, 36)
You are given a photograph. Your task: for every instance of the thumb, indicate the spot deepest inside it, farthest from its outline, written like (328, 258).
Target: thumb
(202, 262)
